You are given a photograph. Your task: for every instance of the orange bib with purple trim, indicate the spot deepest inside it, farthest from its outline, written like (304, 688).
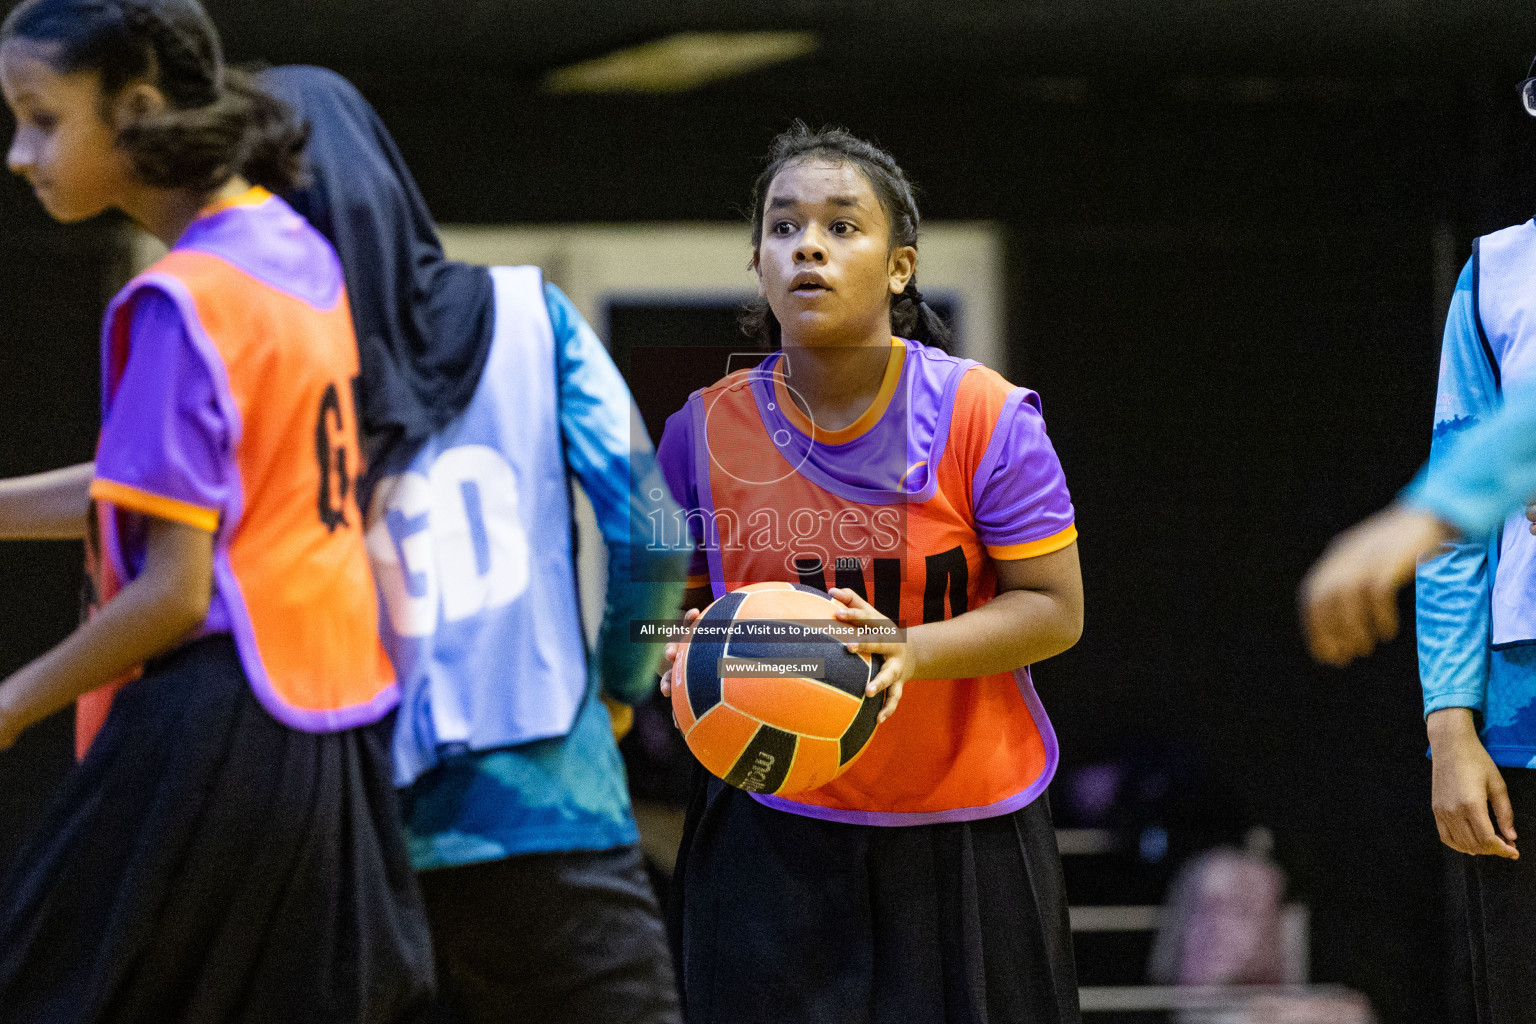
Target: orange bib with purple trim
(957, 748)
(291, 571)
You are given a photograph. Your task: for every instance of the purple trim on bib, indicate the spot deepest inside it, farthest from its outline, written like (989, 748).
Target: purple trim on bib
(997, 442)
(289, 255)
(993, 810)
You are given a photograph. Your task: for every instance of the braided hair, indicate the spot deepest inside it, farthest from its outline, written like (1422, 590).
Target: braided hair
(911, 316)
(217, 122)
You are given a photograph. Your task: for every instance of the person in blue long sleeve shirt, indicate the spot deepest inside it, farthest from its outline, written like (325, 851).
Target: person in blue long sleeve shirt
(1477, 654)
(568, 793)
(543, 830)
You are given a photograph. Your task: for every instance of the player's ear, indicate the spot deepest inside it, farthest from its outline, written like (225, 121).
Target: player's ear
(135, 102)
(757, 268)
(902, 265)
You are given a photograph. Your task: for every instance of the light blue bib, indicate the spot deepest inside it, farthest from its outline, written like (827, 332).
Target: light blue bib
(1505, 284)
(471, 550)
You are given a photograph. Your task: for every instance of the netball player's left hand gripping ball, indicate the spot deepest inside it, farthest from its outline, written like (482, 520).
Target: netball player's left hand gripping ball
(773, 733)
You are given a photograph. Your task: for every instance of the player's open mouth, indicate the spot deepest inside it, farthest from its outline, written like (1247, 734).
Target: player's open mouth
(808, 284)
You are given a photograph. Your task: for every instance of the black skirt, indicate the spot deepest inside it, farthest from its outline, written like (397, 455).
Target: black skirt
(207, 864)
(779, 917)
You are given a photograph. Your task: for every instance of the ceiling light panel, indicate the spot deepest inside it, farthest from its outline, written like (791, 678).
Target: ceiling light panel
(680, 62)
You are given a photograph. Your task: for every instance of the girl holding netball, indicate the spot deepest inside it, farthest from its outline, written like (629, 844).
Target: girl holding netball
(924, 884)
(230, 848)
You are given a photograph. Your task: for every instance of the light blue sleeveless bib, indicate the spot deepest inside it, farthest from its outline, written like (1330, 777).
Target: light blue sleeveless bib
(471, 552)
(1505, 290)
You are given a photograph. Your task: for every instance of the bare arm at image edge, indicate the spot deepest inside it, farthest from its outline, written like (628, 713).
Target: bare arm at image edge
(47, 506)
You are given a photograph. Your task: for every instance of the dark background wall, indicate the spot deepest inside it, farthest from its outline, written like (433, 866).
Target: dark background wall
(54, 283)
(1231, 241)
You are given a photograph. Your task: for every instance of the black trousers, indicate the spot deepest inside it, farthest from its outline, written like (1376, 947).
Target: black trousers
(784, 918)
(563, 938)
(1493, 914)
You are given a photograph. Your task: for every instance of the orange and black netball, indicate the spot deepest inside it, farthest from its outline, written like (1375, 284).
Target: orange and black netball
(774, 733)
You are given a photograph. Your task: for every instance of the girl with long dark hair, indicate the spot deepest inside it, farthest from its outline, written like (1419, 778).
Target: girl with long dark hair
(230, 848)
(923, 885)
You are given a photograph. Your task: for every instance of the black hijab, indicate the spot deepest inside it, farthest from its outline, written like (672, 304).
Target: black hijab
(423, 322)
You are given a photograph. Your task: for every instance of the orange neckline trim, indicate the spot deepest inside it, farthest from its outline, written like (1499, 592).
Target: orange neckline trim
(867, 419)
(253, 196)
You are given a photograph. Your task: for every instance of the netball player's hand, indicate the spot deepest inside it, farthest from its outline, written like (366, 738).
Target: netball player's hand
(1466, 783)
(669, 654)
(900, 663)
(1349, 598)
(1530, 513)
